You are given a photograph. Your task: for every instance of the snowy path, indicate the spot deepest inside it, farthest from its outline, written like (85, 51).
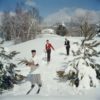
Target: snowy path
(49, 77)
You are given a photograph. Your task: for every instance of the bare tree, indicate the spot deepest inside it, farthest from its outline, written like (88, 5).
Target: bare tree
(77, 23)
(88, 31)
(6, 25)
(23, 26)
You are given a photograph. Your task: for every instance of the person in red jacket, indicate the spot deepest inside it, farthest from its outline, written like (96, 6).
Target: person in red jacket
(48, 47)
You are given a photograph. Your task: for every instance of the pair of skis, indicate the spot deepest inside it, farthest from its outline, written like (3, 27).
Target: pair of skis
(32, 89)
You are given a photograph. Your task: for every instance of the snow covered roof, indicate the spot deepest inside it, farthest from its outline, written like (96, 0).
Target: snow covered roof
(50, 31)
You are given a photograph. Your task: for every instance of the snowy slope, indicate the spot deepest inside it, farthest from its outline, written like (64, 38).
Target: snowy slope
(51, 85)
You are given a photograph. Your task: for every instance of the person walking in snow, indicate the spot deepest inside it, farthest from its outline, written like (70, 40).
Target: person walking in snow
(48, 47)
(33, 78)
(67, 46)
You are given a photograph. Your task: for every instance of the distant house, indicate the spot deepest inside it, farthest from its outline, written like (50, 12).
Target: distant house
(48, 31)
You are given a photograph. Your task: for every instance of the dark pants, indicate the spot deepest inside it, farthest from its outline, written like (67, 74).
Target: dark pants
(67, 50)
(48, 55)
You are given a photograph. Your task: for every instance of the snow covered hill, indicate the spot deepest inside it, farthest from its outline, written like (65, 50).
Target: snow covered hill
(51, 85)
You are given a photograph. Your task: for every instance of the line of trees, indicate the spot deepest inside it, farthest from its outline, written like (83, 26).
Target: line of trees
(22, 25)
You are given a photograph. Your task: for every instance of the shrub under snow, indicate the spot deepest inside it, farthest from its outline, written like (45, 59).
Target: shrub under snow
(83, 70)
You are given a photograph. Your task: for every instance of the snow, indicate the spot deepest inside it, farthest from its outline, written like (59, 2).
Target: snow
(51, 86)
(8, 43)
(88, 75)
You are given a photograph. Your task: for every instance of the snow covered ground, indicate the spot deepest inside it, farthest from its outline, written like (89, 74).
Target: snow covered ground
(52, 87)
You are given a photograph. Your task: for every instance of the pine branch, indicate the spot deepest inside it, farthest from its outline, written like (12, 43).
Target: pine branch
(87, 45)
(1, 42)
(83, 42)
(99, 53)
(96, 44)
(91, 60)
(23, 61)
(91, 35)
(4, 56)
(2, 48)
(93, 44)
(73, 53)
(78, 52)
(60, 73)
(8, 56)
(12, 54)
(98, 65)
(26, 62)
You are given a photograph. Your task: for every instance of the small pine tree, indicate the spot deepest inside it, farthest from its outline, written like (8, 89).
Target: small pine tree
(61, 30)
(7, 72)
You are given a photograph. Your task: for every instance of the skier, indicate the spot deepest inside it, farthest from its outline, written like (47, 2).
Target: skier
(67, 45)
(33, 78)
(48, 47)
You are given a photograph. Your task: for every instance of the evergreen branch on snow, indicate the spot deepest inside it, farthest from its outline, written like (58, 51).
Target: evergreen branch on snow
(1, 42)
(4, 56)
(8, 56)
(12, 54)
(73, 53)
(96, 44)
(2, 48)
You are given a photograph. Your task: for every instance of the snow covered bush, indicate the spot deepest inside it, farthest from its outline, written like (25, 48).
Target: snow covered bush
(83, 70)
(8, 75)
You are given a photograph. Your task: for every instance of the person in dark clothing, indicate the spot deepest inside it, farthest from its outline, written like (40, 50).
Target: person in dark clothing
(48, 47)
(67, 45)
